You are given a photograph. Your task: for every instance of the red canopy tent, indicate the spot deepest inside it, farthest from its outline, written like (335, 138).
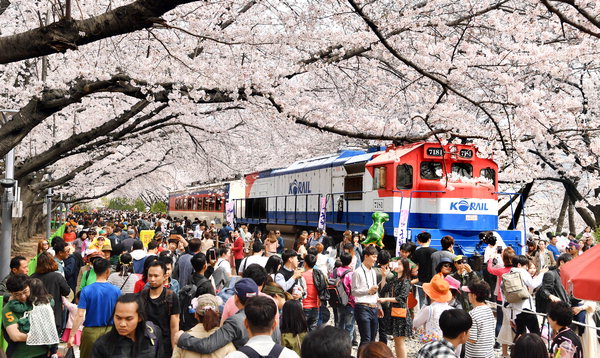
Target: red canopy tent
(581, 276)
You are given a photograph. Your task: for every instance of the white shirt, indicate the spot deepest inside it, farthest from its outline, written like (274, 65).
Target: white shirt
(263, 345)
(224, 264)
(363, 279)
(261, 260)
(531, 284)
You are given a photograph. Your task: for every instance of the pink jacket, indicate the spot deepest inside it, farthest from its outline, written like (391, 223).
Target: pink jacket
(497, 271)
(347, 280)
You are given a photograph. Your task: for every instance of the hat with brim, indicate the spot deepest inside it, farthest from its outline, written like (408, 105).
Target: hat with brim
(443, 260)
(454, 283)
(438, 289)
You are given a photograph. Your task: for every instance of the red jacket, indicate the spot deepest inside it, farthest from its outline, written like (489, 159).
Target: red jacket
(238, 249)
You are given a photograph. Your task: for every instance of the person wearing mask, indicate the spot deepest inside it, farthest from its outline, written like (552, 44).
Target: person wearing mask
(96, 304)
(260, 324)
(288, 277)
(455, 325)
(422, 257)
(365, 291)
(131, 334)
(162, 306)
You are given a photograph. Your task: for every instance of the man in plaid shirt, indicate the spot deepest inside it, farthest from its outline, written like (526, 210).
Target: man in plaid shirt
(455, 325)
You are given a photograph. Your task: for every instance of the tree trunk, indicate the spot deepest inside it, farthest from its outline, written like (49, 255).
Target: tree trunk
(32, 221)
(572, 228)
(561, 216)
(519, 209)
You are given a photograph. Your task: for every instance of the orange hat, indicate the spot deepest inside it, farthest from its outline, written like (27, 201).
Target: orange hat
(438, 289)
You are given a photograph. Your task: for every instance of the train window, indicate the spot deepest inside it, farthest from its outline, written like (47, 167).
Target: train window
(199, 204)
(431, 170)
(404, 176)
(219, 206)
(463, 169)
(379, 178)
(204, 203)
(211, 203)
(488, 173)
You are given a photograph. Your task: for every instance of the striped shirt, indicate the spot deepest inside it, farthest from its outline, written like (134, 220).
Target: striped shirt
(482, 332)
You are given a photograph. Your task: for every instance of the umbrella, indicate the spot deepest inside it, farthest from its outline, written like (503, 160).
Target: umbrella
(580, 275)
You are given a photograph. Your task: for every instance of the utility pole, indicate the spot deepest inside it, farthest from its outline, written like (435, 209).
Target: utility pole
(8, 184)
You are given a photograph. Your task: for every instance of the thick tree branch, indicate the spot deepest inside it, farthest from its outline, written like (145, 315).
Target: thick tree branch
(58, 150)
(68, 34)
(54, 100)
(565, 19)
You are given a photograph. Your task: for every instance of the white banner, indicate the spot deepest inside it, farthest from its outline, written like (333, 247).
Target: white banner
(229, 212)
(323, 214)
(403, 233)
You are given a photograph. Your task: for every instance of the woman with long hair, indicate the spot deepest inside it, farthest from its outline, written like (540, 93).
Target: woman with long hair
(293, 325)
(271, 244)
(273, 265)
(131, 335)
(42, 246)
(206, 312)
(124, 278)
(55, 284)
(504, 333)
(398, 288)
(300, 244)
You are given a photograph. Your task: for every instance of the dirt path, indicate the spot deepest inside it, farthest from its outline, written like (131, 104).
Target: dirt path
(28, 248)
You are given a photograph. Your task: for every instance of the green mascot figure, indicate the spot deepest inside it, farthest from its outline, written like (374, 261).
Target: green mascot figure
(376, 231)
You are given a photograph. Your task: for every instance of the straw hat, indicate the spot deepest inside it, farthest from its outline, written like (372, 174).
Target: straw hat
(438, 289)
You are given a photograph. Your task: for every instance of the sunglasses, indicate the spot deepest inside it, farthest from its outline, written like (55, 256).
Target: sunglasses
(446, 264)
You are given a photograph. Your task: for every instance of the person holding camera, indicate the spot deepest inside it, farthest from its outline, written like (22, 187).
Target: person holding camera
(465, 275)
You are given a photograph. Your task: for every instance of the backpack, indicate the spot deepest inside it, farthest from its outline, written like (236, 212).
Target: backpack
(320, 282)
(338, 296)
(251, 353)
(513, 288)
(186, 295)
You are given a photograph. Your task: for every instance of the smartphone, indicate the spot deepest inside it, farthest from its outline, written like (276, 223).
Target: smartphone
(499, 249)
(213, 255)
(301, 264)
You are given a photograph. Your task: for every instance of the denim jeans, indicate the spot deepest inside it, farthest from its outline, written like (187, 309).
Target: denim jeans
(366, 319)
(423, 299)
(346, 319)
(324, 314)
(312, 316)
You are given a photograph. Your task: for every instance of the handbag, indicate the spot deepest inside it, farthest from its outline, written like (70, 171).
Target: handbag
(411, 301)
(397, 312)
(70, 353)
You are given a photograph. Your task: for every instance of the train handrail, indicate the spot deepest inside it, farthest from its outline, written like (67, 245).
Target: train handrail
(512, 213)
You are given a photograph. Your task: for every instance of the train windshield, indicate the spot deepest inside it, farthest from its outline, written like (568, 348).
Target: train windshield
(489, 173)
(431, 170)
(404, 176)
(463, 169)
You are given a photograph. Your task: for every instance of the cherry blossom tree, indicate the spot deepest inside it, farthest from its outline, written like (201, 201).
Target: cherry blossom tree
(129, 95)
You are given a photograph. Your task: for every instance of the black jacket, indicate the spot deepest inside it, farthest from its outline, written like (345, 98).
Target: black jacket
(203, 284)
(113, 345)
(551, 285)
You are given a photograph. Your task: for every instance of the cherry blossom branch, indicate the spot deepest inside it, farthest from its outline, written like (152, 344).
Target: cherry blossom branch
(564, 19)
(69, 34)
(425, 73)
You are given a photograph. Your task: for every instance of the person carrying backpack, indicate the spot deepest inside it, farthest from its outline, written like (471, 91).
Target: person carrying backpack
(519, 295)
(198, 285)
(341, 298)
(260, 323)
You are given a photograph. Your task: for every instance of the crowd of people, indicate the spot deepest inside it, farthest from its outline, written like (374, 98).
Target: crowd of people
(198, 290)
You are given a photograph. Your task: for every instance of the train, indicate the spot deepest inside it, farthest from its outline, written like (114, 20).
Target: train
(424, 187)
